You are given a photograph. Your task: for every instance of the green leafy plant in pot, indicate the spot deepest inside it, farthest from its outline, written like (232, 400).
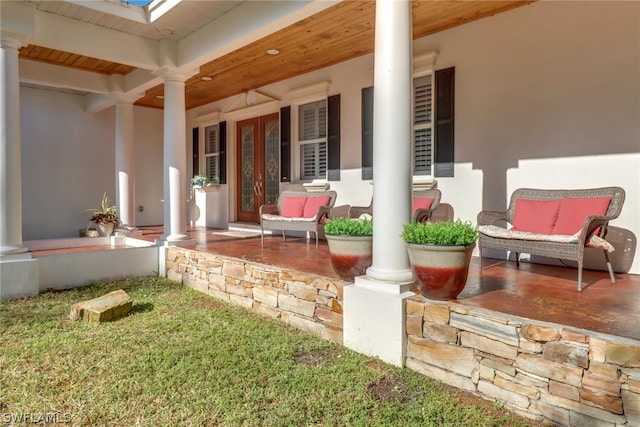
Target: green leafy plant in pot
(439, 254)
(350, 242)
(105, 217)
(203, 181)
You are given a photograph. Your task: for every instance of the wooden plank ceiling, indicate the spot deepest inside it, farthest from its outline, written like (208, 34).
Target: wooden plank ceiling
(339, 33)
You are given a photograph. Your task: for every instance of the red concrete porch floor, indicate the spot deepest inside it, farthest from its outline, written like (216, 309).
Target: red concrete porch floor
(533, 291)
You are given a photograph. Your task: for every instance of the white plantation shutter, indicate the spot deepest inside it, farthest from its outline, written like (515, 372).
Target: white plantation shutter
(212, 152)
(422, 125)
(433, 125)
(313, 140)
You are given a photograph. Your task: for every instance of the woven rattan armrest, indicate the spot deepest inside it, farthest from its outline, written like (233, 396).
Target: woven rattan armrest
(491, 217)
(269, 209)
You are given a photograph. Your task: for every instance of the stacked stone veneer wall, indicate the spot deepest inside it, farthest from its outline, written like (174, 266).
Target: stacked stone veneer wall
(309, 302)
(542, 371)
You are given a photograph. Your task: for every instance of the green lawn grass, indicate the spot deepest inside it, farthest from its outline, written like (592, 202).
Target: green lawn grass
(182, 358)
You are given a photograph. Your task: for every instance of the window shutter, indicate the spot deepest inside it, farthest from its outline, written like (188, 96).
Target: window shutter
(211, 143)
(333, 138)
(422, 125)
(212, 151)
(285, 144)
(195, 148)
(223, 152)
(444, 122)
(367, 133)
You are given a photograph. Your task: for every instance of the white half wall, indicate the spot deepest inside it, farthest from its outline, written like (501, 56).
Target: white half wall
(66, 271)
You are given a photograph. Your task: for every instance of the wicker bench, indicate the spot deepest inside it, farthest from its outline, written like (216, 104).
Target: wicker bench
(423, 204)
(553, 223)
(297, 211)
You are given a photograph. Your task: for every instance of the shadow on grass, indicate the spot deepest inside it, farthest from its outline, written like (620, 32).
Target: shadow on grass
(141, 308)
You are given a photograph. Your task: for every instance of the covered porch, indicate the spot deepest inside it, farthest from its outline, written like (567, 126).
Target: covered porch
(533, 291)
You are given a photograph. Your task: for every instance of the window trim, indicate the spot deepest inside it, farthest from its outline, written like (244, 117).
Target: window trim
(296, 97)
(423, 66)
(443, 122)
(202, 148)
(313, 141)
(209, 155)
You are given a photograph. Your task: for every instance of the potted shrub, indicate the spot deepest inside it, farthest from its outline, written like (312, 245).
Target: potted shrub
(349, 241)
(439, 254)
(199, 181)
(105, 218)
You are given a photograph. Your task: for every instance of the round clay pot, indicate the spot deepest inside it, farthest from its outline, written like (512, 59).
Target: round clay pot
(440, 271)
(350, 255)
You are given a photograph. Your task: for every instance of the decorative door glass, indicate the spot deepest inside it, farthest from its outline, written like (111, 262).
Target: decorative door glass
(272, 163)
(247, 173)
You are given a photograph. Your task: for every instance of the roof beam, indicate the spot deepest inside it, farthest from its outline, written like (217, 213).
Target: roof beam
(122, 10)
(57, 32)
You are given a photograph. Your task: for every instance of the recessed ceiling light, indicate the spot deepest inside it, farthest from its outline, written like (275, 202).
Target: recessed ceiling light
(273, 51)
(206, 78)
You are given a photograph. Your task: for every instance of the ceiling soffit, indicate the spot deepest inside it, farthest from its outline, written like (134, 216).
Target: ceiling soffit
(336, 34)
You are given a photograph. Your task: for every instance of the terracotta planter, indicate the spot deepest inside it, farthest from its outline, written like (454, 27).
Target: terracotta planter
(440, 271)
(350, 255)
(105, 229)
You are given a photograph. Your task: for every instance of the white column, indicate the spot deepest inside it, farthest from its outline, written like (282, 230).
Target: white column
(175, 159)
(374, 307)
(391, 140)
(18, 270)
(10, 155)
(125, 162)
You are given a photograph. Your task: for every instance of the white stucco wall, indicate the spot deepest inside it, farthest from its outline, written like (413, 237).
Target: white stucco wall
(547, 95)
(68, 161)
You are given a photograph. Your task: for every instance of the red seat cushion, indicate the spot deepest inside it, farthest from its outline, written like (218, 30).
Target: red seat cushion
(420, 203)
(573, 212)
(535, 216)
(293, 207)
(312, 205)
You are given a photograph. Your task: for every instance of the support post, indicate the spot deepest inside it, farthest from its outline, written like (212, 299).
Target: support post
(374, 307)
(18, 271)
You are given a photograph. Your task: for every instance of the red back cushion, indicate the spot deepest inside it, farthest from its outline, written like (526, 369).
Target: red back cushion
(420, 203)
(293, 206)
(574, 211)
(312, 205)
(535, 216)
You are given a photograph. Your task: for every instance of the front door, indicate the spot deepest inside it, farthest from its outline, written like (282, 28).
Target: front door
(258, 165)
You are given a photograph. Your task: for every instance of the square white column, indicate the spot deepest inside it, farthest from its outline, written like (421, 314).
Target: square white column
(374, 320)
(19, 276)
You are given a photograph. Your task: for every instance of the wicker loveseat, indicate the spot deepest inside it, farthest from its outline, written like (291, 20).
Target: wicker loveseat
(423, 205)
(553, 223)
(297, 211)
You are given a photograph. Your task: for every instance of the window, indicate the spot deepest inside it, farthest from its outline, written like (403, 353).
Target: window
(432, 124)
(422, 125)
(212, 153)
(312, 136)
